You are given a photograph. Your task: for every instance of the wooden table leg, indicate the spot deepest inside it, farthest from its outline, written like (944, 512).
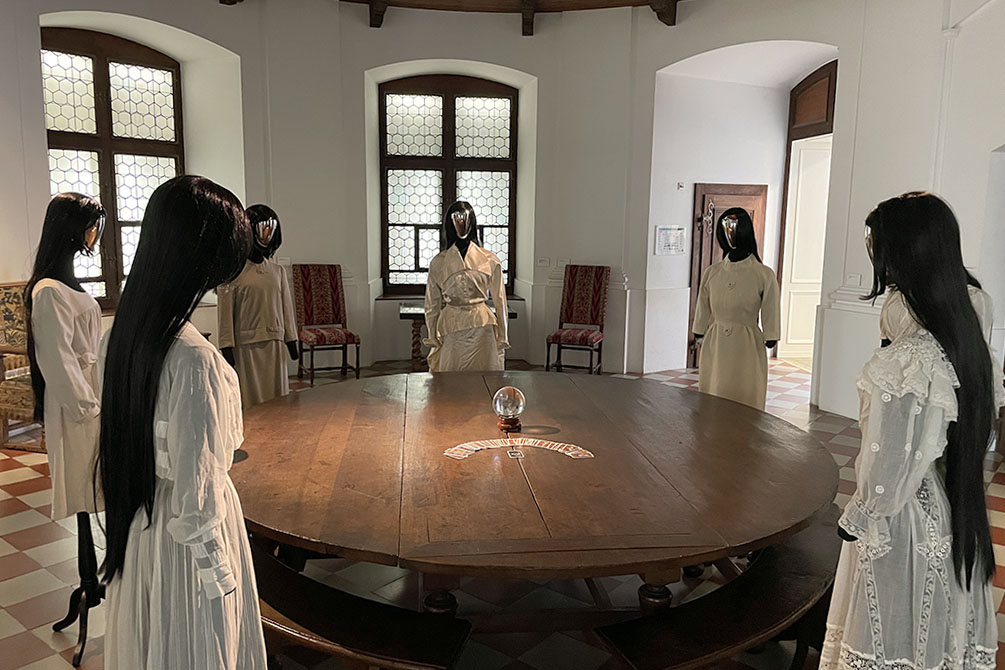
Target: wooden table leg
(417, 365)
(654, 594)
(439, 599)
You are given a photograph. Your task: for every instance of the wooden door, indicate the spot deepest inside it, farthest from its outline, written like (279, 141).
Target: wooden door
(710, 201)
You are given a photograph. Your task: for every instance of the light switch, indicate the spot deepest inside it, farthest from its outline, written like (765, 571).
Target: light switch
(853, 280)
(543, 262)
(680, 186)
(562, 262)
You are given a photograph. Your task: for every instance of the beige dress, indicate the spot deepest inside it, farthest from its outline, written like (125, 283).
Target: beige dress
(66, 325)
(734, 362)
(256, 318)
(464, 334)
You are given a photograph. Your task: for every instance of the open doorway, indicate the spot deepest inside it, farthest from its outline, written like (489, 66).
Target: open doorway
(803, 248)
(724, 116)
(804, 212)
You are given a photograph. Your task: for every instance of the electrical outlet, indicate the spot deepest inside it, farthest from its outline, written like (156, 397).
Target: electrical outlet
(543, 262)
(853, 280)
(562, 262)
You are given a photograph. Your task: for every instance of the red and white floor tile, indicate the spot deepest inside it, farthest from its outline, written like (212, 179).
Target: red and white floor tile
(38, 562)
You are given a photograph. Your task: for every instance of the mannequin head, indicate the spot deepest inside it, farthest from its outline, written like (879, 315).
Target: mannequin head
(916, 247)
(195, 236)
(742, 241)
(73, 224)
(267, 231)
(460, 224)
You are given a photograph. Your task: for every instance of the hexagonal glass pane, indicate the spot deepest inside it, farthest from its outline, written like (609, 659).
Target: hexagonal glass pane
(488, 193)
(414, 197)
(142, 102)
(130, 238)
(136, 177)
(73, 171)
(429, 245)
(68, 92)
(407, 277)
(483, 127)
(414, 125)
(401, 248)
(95, 288)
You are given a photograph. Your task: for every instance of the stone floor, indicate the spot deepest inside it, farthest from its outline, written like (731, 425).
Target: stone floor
(38, 566)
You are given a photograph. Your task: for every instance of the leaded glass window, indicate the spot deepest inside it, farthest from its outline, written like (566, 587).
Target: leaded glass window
(113, 118)
(444, 138)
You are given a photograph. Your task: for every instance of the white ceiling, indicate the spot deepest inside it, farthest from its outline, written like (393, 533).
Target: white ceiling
(775, 64)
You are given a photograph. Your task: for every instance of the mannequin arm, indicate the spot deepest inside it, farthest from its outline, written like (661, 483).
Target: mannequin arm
(292, 348)
(228, 354)
(770, 344)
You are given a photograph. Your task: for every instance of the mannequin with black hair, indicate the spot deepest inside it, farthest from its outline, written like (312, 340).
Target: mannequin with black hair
(178, 567)
(464, 334)
(913, 580)
(737, 297)
(64, 329)
(258, 327)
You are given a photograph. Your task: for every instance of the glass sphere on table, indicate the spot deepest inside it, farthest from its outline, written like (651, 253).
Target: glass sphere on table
(509, 402)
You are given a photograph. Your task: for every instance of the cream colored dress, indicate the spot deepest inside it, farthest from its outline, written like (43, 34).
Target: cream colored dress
(734, 362)
(464, 334)
(66, 326)
(897, 604)
(256, 318)
(186, 597)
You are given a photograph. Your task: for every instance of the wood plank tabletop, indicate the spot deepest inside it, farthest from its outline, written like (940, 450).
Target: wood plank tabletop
(357, 469)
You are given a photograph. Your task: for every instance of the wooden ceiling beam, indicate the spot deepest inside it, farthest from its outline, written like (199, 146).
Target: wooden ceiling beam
(527, 9)
(377, 9)
(666, 10)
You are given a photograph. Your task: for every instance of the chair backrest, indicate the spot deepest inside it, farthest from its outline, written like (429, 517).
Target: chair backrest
(584, 295)
(13, 330)
(318, 295)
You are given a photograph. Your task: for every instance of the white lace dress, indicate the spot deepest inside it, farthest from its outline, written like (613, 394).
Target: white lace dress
(897, 604)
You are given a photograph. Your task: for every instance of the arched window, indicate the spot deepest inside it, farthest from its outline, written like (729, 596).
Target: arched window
(114, 122)
(444, 138)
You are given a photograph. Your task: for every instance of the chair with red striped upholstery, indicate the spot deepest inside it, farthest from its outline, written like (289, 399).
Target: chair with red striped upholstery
(321, 316)
(581, 320)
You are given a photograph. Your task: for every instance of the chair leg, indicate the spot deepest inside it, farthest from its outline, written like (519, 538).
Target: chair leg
(4, 430)
(799, 659)
(600, 358)
(345, 360)
(547, 358)
(357, 360)
(558, 360)
(312, 365)
(591, 362)
(300, 360)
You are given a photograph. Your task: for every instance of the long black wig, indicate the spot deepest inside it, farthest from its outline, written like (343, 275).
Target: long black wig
(746, 239)
(195, 236)
(67, 219)
(916, 248)
(257, 214)
(452, 237)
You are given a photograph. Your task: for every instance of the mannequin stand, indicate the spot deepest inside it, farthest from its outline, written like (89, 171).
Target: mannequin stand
(90, 592)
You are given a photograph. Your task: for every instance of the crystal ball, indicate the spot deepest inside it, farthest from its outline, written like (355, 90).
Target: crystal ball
(509, 402)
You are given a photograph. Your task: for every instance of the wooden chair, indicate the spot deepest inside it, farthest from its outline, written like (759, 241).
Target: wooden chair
(781, 595)
(582, 315)
(17, 400)
(321, 316)
(298, 611)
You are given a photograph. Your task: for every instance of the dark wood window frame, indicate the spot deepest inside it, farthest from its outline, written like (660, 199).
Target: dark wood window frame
(102, 49)
(449, 87)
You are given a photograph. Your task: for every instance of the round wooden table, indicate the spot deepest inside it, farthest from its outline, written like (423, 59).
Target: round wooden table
(678, 478)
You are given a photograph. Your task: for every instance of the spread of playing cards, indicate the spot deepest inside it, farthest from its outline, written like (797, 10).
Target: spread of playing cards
(462, 451)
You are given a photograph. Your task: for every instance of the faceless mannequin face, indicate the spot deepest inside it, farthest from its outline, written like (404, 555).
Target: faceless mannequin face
(461, 223)
(93, 234)
(729, 226)
(264, 231)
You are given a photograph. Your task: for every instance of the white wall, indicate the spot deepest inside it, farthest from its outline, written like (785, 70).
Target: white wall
(705, 131)
(911, 113)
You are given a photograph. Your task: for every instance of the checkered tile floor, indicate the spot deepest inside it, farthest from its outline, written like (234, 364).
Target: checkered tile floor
(38, 562)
